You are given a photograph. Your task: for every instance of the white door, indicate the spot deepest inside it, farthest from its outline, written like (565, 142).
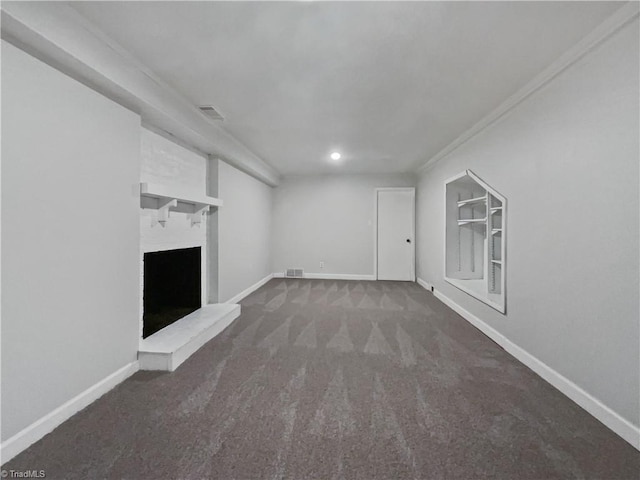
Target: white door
(395, 236)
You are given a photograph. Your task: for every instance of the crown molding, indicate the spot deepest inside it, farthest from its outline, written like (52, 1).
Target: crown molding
(59, 36)
(619, 19)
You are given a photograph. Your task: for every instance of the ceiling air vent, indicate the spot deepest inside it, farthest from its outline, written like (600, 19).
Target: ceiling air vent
(211, 112)
(294, 273)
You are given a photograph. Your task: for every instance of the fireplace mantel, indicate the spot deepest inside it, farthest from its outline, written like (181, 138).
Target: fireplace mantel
(163, 199)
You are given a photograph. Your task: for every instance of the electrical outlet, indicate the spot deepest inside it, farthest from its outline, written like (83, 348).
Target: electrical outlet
(321, 265)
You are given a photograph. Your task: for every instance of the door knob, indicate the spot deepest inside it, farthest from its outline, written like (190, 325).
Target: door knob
(408, 240)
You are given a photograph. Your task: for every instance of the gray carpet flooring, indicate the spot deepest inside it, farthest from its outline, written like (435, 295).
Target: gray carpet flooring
(337, 380)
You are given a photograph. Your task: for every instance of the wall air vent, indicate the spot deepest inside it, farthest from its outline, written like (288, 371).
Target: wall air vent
(294, 273)
(211, 112)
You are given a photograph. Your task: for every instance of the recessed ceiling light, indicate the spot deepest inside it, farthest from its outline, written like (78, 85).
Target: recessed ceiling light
(335, 156)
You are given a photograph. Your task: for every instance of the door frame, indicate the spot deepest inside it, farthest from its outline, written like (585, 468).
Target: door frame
(411, 190)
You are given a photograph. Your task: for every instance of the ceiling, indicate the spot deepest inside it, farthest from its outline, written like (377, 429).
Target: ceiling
(387, 84)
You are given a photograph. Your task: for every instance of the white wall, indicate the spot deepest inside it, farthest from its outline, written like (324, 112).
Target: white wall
(328, 219)
(567, 161)
(70, 239)
(165, 162)
(244, 231)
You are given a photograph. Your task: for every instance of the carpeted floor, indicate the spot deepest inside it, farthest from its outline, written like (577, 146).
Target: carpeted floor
(337, 380)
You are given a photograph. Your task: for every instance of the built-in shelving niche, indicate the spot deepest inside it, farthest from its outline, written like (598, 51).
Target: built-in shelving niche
(475, 242)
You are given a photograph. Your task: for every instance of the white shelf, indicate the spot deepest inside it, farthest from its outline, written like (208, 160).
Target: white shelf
(462, 203)
(161, 192)
(475, 248)
(163, 199)
(471, 220)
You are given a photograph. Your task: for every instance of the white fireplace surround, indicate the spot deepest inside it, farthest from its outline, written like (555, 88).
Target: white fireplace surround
(173, 215)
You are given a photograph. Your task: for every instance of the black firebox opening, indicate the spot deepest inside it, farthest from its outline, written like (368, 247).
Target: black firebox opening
(172, 287)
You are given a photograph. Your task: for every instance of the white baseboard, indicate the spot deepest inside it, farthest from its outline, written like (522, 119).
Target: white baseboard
(331, 276)
(250, 290)
(424, 284)
(621, 426)
(34, 432)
